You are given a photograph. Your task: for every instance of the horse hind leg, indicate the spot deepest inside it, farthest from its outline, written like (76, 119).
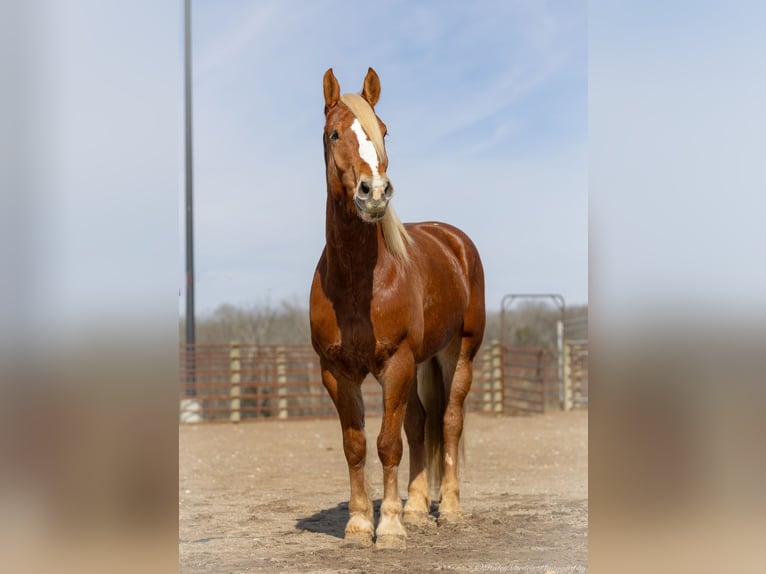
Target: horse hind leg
(458, 383)
(418, 499)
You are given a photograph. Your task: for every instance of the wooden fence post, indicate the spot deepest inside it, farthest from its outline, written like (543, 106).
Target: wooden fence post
(486, 378)
(281, 382)
(497, 376)
(313, 403)
(567, 377)
(540, 378)
(235, 380)
(560, 357)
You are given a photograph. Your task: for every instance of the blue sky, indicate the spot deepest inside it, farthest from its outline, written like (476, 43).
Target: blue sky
(486, 107)
(677, 133)
(641, 140)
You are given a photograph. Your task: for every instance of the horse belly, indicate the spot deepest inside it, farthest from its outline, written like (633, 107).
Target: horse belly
(439, 329)
(445, 300)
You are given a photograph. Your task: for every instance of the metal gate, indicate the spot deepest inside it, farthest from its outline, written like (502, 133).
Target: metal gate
(567, 387)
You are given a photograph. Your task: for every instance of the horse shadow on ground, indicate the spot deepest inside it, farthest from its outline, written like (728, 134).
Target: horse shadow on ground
(332, 521)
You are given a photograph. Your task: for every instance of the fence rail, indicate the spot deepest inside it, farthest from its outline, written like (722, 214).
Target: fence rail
(235, 382)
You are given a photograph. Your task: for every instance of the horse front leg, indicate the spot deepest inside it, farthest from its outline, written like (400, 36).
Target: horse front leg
(397, 378)
(347, 396)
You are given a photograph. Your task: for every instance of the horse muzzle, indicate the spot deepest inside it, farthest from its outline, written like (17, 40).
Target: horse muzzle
(372, 198)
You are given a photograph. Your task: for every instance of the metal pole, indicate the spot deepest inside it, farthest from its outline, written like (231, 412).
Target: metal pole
(190, 325)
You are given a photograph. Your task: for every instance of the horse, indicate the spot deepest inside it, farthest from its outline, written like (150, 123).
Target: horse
(404, 303)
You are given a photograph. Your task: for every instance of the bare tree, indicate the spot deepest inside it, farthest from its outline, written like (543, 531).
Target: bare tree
(531, 324)
(259, 324)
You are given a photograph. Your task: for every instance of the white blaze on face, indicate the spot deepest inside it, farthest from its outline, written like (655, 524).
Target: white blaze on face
(370, 156)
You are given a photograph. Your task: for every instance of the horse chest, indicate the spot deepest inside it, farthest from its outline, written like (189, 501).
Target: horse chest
(362, 340)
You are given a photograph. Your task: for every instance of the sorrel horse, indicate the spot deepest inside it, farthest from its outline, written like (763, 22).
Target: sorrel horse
(402, 302)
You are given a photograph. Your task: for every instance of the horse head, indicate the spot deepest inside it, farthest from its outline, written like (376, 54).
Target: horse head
(355, 152)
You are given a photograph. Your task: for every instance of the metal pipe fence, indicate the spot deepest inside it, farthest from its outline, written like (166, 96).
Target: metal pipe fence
(238, 382)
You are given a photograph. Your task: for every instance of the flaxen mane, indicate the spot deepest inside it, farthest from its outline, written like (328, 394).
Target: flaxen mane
(395, 235)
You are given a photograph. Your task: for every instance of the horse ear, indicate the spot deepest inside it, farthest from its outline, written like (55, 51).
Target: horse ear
(371, 89)
(331, 90)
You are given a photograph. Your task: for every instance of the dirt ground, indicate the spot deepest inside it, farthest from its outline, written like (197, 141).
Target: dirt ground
(272, 496)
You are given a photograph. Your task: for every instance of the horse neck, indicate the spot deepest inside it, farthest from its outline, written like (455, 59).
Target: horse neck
(354, 247)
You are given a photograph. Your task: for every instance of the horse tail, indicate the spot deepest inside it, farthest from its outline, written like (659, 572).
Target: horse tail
(433, 397)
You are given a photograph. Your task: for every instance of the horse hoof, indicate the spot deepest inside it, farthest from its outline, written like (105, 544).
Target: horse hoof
(416, 518)
(390, 542)
(450, 517)
(357, 540)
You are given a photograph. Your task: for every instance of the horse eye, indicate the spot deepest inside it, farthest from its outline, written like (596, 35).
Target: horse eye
(334, 135)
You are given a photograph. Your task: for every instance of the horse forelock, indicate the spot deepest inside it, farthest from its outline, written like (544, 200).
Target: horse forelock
(368, 120)
(394, 233)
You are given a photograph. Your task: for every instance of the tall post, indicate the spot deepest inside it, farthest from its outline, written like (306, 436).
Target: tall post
(191, 389)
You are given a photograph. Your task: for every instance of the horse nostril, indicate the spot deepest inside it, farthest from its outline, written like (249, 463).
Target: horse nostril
(364, 189)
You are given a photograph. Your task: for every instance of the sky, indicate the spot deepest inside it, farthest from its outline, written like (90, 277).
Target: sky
(486, 106)
(676, 140)
(613, 155)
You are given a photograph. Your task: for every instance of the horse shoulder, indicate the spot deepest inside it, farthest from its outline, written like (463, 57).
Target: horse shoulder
(396, 309)
(323, 322)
